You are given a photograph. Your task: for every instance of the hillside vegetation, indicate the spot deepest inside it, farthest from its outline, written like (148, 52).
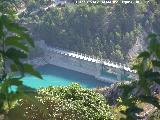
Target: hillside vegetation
(105, 30)
(65, 103)
(73, 101)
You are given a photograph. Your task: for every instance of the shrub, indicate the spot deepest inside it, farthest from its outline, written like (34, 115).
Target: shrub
(155, 115)
(67, 103)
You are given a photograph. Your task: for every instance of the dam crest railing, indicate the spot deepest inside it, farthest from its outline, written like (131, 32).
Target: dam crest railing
(82, 56)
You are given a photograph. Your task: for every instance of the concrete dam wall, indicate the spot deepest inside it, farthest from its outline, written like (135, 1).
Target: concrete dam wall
(80, 63)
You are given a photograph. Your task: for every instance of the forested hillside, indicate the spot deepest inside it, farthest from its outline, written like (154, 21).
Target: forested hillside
(107, 31)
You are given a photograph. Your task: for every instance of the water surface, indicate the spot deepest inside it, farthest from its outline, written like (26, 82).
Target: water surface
(57, 76)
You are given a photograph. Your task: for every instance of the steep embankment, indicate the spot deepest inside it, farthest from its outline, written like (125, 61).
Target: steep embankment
(138, 46)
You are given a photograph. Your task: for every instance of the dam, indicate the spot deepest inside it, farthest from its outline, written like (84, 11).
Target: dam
(98, 68)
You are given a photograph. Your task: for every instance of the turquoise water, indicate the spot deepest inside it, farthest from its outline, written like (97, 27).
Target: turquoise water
(56, 76)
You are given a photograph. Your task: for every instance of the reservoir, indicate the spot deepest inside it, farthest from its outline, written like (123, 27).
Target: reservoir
(57, 76)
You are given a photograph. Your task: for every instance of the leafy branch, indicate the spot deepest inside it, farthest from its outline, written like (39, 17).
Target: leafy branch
(148, 69)
(14, 47)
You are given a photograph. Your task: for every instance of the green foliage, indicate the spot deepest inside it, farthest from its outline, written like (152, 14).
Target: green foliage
(86, 28)
(94, 29)
(14, 47)
(148, 69)
(155, 115)
(71, 102)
